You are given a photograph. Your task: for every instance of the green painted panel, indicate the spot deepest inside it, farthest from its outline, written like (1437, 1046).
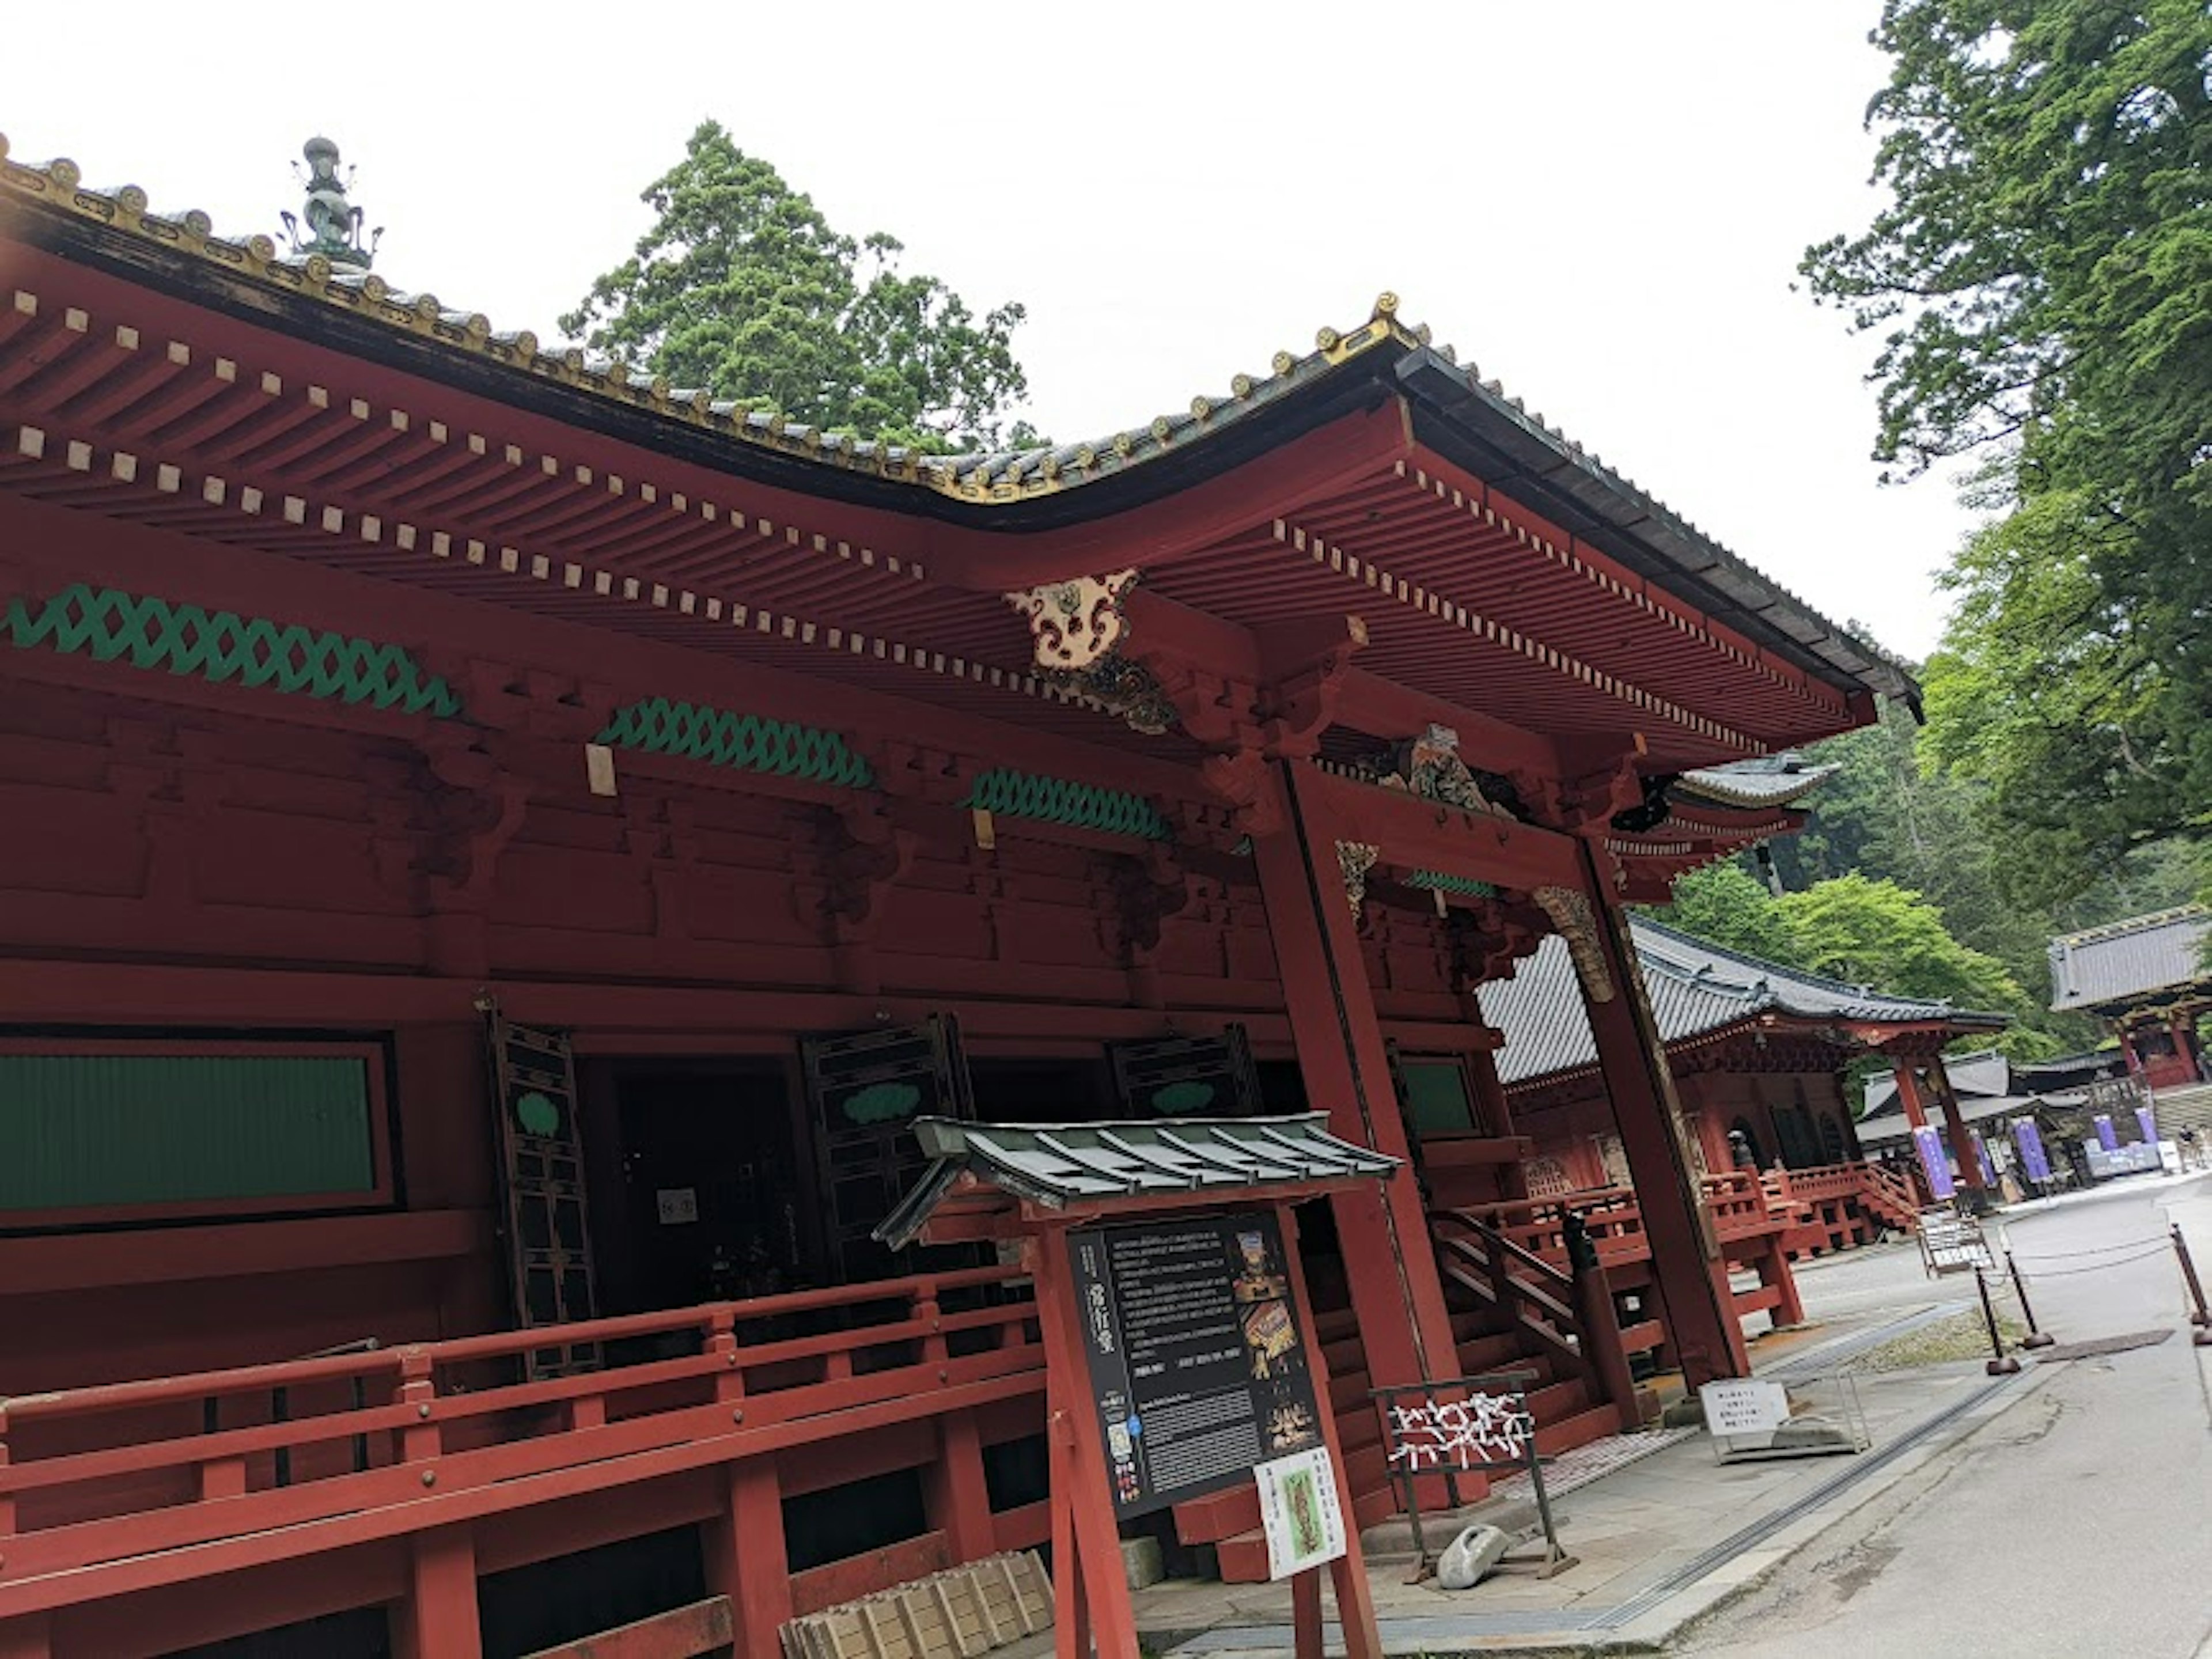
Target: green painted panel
(746, 742)
(1437, 1100)
(147, 632)
(1056, 800)
(83, 1131)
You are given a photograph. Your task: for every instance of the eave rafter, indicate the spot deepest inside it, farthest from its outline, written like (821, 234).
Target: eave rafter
(74, 472)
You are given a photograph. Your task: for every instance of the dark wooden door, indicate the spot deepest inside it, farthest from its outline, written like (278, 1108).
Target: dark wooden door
(866, 1088)
(543, 1213)
(1187, 1076)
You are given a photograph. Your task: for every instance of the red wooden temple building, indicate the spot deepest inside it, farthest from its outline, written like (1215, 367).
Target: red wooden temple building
(1757, 1051)
(496, 846)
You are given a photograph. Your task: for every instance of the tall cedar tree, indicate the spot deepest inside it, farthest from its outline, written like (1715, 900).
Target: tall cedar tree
(2042, 276)
(743, 287)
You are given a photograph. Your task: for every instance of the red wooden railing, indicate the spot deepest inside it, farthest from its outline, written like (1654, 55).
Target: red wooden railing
(1828, 1201)
(131, 1486)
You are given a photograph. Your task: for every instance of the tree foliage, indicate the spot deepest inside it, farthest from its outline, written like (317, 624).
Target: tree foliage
(741, 287)
(2041, 275)
(1864, 932)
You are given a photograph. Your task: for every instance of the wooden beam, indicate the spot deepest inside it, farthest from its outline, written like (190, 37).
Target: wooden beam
(1420, 835)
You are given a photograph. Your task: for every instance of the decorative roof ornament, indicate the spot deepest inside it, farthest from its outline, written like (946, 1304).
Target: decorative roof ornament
(1429, 766)
(334, 224)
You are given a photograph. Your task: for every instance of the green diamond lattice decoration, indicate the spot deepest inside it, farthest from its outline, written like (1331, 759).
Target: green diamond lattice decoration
(222, 648)
(1443, 882)
(747, 743)
(1055, 800)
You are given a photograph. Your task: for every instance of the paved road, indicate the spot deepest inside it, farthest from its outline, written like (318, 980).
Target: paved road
(2078, 1525)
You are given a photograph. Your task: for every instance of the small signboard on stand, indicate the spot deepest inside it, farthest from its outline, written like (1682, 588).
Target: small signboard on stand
(1755, 1418)
(1178, 1356)
(1953, 1244)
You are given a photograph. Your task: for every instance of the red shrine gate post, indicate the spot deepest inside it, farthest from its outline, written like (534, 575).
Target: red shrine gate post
(1038, 1185)
(1686, 1259)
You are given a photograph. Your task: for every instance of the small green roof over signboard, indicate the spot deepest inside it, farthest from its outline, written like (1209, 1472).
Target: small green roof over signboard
(1056, 1165)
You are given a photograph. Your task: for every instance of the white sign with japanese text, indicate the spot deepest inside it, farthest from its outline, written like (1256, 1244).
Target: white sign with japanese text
(1299, 1511)
(1744, 1406)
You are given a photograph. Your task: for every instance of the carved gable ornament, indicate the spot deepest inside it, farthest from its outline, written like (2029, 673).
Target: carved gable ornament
(1076, 629)
(1076, 624)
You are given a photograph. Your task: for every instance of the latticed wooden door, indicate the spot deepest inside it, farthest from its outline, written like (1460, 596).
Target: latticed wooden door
(543, 1212)
(866, 1088)
(1187, 1076)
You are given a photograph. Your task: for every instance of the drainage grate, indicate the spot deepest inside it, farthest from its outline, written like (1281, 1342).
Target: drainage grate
(2106, 1345)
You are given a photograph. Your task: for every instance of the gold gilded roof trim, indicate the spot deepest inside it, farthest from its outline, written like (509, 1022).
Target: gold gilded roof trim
(57, 186)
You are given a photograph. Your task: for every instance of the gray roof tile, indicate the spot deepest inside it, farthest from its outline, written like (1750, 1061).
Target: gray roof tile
(2131, 958)
(1696, 989)
(1061, 1164)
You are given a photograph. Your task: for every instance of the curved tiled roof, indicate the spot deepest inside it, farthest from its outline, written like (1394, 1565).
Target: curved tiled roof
(1762, 781)
(1211, 1160)
(1455, 411)
(1696, 989)
(2139, 956)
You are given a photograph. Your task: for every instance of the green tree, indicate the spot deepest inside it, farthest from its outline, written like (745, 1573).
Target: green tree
(1879, 934)
(2042, 277)
(743, 287)
(1724, 904)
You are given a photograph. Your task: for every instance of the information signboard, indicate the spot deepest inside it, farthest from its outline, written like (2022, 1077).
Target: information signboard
(1738, 1405)
(1197, 1354)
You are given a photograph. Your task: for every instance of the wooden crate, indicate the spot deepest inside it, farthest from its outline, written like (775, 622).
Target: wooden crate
(961, 1613)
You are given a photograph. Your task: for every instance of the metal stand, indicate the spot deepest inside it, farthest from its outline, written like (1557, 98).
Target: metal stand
(2000, 1363)
(2037, 1336)
(1405, 1472)
(2197, 1316)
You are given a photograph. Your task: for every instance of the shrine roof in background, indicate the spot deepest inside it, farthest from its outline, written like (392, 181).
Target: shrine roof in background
(1205, 1161)
(2108, 966)
(1697, 990)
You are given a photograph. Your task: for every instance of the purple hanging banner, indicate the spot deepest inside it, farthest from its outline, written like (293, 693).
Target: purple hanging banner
(1933, 1163)
(2029, 1138)
(2105, 1138)
(1982, 1158)
(2147, 1124)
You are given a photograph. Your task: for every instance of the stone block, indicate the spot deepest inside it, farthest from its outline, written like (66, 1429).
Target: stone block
(1471, 1555)
(1141, 1563)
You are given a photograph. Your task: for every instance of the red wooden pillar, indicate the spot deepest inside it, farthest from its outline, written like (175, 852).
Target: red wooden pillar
(745, 1557)
(955, 1490)
(1686, 1254)
(1090, 1585)
(438, 1619)
(1396, 1291)
(1954, 1131)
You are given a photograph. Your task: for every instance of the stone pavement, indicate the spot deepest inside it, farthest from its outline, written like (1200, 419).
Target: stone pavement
(1661, 1541)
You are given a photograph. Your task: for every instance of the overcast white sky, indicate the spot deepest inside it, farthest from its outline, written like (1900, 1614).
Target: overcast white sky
(1601, 202)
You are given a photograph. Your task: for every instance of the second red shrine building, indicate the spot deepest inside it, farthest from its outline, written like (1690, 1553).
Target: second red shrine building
(493, 840)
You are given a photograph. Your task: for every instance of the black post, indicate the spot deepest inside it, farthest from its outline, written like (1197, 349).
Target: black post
(2001, 1364)
(2037, 1336)
(2197, 1316)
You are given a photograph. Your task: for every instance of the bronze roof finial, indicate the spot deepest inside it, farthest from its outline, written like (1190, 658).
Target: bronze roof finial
(334, 224)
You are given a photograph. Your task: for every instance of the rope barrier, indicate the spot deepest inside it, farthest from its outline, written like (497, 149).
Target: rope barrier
(2099, 1250)
(2161, 1248)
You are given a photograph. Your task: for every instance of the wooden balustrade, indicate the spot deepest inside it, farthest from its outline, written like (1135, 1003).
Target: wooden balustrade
(108, 1490)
